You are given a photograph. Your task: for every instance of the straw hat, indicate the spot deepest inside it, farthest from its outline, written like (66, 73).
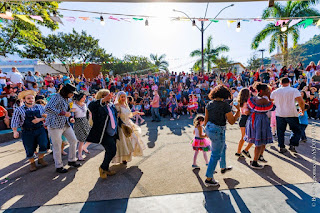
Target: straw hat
(25, 93)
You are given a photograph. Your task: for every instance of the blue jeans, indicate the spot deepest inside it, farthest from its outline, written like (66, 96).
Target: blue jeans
(217, 135)
(31, 139)
(173, 108)
(303, 131)
(294, 126)
(155, 114)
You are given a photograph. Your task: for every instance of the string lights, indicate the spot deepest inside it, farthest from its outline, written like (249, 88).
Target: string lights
(238, 29)
(146, 22)
(102, 22)
(8, 12)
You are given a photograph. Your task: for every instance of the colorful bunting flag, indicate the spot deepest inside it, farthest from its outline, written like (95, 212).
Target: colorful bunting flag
(5, 16)
(1, 20)
(113, 18)
(85, 18)
(56, 19)
(318, 23)
(257, 19)
(213, 20)
(230, 22)
(126, 19)
(39, 18)
(24, 18)
(70, 18)
(138, 19)
(201, 19)
(281, 22)
(306, 22)
(246, 20)
(294, 22)
(270, 19)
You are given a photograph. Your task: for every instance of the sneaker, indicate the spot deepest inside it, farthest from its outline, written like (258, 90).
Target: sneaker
(261, 158)
(224, 170)
(240, 155)
(190, 117)
(211, 182)
(246, 153)
(171, 119)
(61, 170)
(178, 116)
(153, 120)
(255, 165)
(283, 150)
(74, 164)
(293, 149)
(195, 166)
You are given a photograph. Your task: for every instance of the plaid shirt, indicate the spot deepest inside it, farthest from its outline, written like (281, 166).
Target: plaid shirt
(20, 114)
(56, 105)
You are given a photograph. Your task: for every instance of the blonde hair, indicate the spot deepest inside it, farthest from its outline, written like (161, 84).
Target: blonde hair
(102, 93)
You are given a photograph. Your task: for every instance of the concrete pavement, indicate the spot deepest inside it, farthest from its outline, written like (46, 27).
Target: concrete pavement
(165, 169)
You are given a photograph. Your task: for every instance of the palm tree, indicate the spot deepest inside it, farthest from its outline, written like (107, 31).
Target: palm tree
(280, 37)
(159, 62)
(210, 54)
(223, 63)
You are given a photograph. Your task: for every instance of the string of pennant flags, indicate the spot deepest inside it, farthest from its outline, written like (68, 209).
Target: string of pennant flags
(306, 21)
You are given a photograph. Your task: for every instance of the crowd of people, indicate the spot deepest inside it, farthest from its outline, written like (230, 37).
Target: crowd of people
(109, 109)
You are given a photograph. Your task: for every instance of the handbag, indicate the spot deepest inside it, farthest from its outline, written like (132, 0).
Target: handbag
(127, 130)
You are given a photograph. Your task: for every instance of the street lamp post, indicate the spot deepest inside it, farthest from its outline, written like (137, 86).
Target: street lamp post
(202, 29)
(262, 50)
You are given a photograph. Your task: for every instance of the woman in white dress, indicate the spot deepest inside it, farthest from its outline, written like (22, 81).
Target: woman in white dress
(127, 146)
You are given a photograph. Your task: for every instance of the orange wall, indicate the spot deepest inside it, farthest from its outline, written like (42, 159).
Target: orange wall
(91, 71)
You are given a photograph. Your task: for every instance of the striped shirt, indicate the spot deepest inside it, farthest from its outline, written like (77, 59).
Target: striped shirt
(19, 114)
(55, 106)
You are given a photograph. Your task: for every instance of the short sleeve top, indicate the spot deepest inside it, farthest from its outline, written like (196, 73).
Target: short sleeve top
(217, 111)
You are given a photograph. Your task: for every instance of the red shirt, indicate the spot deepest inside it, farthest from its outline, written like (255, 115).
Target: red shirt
(229, 75)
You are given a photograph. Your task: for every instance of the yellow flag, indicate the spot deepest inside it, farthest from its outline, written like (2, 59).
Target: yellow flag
(229, 22)
(318, 23)
(24, 18)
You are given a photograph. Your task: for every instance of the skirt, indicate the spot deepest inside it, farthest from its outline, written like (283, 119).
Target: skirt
(243, 120)
(258, 130)
(81, 128)
(202, 144)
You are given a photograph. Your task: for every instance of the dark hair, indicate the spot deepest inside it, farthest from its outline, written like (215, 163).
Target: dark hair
(243, 96)
(220, 91)
(77, 97)
(64, 92)
(304, 97)
(130, 98)
(260, 86)
(197, 120)
(284, 80)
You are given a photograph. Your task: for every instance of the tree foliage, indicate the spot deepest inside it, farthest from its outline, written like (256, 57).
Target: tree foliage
(14, 34)
(223, 63)
(159, 62)
(67, 48)
(278, 37)
(210, 54)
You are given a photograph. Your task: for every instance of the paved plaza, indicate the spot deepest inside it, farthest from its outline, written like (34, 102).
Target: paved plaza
(163, 180)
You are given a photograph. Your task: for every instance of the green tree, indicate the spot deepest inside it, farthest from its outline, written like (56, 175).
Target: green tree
(281, 37)
(223, 63)
(254, 62)
(210, 54)
(14, 34)
(159, 62)
(67, 48)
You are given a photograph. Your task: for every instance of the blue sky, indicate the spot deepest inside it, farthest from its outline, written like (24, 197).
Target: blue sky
(175, 39)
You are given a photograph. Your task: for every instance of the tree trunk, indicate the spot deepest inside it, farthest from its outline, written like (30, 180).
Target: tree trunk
(285, 50)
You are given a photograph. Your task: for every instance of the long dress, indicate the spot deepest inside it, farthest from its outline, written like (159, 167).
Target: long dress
(258, 129)
(128, 147)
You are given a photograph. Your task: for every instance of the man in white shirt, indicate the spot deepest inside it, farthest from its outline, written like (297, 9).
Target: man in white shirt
(3, 79)
(286, 113)
(15, 77)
